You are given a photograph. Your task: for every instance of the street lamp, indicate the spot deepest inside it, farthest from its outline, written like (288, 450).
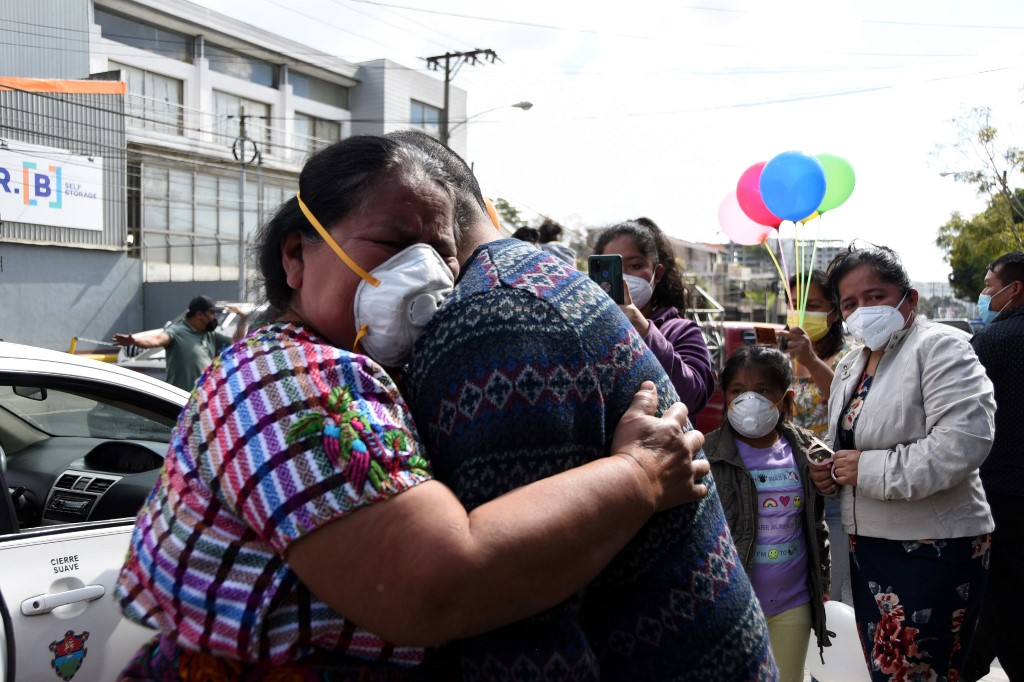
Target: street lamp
(524, 105)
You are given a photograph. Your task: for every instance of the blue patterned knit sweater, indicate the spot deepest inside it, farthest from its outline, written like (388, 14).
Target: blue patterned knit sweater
(523, 373)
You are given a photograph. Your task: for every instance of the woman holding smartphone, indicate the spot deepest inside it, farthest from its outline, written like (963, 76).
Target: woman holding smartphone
(656, 299)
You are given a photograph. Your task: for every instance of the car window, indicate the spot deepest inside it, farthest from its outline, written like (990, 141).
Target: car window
(63, 413)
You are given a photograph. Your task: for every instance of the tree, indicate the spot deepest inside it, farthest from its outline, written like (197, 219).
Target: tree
(1000, 166)
(508, 214)
(970, 244)
(995, 168)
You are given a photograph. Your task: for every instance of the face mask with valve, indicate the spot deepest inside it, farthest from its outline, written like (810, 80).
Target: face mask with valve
(752, 415)
(395, 300)
(390, 316)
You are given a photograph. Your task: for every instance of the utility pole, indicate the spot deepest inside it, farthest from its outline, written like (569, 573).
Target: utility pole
(245, 152)
(451, 61)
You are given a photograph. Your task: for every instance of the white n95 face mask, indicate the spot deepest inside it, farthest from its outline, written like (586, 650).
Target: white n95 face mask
(753, 415)
(390, 316)
(640, 290)
(395, 301)
(874, 325)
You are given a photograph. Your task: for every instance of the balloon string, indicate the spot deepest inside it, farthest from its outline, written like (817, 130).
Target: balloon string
(785, 280)
(785, 270)
(814, 255)
(801, 285)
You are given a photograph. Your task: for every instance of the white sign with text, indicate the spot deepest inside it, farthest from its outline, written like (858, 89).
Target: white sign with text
(45, 186)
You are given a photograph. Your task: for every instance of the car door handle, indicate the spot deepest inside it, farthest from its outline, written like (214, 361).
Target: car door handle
(44, 603)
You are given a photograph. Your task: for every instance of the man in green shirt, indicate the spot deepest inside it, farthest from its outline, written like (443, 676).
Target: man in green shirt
(192, 343)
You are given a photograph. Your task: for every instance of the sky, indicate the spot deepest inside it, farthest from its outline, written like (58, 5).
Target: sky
(656, 108)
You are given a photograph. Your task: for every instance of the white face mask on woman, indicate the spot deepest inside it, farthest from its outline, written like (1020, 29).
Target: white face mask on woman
(413, 283)
(874, 325)
(753, 415)
(395, 300)
(640, 290)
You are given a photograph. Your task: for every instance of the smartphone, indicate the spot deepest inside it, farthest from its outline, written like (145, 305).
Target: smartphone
(766, 335)
(607, 272)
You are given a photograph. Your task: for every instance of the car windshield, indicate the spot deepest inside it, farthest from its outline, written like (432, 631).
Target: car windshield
(63, 413)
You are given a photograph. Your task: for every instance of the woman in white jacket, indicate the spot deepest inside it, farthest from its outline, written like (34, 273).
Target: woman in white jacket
(911, 419)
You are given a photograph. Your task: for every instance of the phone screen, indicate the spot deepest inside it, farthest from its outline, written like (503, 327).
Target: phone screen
(766, 335)
(607, 272)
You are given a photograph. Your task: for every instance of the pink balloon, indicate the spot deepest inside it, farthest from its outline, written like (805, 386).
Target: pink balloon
(738, 226)
(748, 192)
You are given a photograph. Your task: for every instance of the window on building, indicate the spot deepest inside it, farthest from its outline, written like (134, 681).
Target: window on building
(154, 102)
(143, 36)
(312, 134)
(240, 65)
(133, 203)
(228, 109)
(190, 219)
(318, 89)
(426, 117)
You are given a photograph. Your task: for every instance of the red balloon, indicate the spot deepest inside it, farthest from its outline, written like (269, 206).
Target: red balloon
(738, 226)
(748, 192)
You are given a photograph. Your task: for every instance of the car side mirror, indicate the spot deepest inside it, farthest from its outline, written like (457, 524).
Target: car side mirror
(31, 392)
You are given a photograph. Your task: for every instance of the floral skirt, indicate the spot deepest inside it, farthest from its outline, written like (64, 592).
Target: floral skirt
(161, 660)
(917, 604)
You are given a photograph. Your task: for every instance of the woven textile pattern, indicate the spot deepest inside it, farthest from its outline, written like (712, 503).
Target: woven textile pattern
(524, 372)
(240, 483)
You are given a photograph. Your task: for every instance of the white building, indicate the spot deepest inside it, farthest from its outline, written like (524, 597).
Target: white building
(217, 120)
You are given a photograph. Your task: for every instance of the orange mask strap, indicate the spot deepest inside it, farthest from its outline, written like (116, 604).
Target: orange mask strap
(359, 334)
(370, 279)
(493, 213)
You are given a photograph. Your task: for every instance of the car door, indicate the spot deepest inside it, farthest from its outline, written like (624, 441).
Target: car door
(57, 589)
(83, 444)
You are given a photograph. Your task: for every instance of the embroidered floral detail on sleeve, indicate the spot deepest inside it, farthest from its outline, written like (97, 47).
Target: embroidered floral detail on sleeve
(352, 445)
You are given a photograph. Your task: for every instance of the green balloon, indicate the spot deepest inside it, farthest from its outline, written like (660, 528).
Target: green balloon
(839, 181)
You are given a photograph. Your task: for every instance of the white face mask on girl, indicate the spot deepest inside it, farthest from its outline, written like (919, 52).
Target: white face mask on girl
(874, 325)
(640, 290)
(753, 415)
(395, 300)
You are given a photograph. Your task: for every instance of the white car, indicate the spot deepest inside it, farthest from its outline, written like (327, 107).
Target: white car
(82, 444)
(153, 361)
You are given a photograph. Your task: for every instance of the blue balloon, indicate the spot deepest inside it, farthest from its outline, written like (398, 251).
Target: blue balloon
(792, 185)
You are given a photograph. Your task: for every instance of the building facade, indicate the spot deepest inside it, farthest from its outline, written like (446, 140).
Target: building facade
(207, 138)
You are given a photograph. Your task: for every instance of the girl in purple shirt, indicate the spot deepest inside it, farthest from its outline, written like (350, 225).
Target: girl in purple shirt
(759, 462)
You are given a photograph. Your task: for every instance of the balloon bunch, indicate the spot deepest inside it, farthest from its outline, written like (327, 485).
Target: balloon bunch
(793, 187)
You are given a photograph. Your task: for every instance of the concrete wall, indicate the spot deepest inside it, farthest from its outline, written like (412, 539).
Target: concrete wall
(49, 294)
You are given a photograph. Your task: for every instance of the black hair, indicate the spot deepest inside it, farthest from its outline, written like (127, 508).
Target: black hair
(884, 261)
(832, 342)
(1011, 267)
(468, 196)
(770, 359)
(334, 183)
(671, 291)
(550, 231)
(527, 234)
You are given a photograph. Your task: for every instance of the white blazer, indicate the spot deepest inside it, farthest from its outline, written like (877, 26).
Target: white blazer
(925, 427)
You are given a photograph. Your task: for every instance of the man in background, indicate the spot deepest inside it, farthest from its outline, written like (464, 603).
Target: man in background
(1000, 347)
(191, 343)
